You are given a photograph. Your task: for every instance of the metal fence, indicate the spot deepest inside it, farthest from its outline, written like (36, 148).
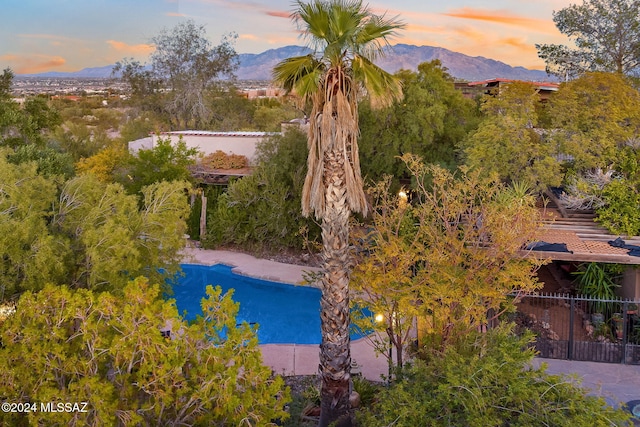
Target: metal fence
(581, 328)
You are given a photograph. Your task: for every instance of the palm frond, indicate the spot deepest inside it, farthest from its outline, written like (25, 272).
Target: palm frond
(346, 37)
(374, 35)
(383, 88)
(300, 74)
(313, 20)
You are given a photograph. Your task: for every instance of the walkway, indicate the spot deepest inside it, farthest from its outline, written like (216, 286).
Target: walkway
(615, 382)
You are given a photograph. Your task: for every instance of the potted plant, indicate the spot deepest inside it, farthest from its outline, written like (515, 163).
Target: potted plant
(618, 323)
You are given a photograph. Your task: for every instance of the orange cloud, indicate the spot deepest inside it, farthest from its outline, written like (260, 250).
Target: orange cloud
(518, 43)
(32, 64)
(248, 37)
(176, 14)
(278, 14)
(419, 28)
(137, 49)
(502, 17)
(248, 6)
(470, 33)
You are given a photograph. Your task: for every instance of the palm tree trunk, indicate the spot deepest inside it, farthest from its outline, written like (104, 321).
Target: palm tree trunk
(335, 356)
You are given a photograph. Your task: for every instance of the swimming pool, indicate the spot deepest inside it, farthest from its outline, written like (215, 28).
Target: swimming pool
(285, 314)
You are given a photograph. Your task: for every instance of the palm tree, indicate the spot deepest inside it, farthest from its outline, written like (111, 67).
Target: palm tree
(346, 37)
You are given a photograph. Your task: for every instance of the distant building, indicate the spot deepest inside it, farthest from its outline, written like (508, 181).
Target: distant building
(265, 92)
(545, 89)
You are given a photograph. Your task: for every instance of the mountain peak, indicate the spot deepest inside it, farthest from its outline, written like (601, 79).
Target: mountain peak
(400, 56)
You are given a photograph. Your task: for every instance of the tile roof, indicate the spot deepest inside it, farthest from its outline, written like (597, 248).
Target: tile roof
(585, 240)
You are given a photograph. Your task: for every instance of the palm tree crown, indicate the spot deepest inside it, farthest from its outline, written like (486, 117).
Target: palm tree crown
(346, 38)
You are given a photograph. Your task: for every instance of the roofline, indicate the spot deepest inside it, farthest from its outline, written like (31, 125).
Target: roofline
(581, 257)
(215, 133)
(540, 85)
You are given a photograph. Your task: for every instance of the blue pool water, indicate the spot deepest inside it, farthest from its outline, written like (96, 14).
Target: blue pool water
(284, 313)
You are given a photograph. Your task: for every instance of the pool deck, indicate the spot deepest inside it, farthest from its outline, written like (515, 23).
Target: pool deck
(615, 382)
(248, 265)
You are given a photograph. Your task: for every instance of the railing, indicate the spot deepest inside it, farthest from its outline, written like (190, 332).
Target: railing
(582, 328)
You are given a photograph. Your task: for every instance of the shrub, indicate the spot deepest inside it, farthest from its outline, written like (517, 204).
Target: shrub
(621, 212)
(222, 160)
(68, 345)
(487, 380)
(263, 210)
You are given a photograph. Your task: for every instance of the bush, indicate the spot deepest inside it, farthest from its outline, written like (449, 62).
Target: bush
(263, 210)
(621, 213)
(222, 160)
(62, 345)
(487, 380)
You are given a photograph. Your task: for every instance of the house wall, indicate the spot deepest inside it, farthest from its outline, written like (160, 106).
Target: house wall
(631, 283)
(242, 143)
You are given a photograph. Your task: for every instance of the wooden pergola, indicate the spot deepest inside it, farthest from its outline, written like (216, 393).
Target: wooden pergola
(217, 176)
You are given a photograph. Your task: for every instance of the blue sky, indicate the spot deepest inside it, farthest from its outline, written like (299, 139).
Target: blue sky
(68, 35)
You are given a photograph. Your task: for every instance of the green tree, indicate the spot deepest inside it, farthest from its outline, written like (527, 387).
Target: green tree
(507, 141)
(37, 117)
(487, 380)
(346, 37)
(230, 111)
(110, 352)
(187, 66)
(9, 110)
(84, 232)
(79, 140)
(592, 117)
(270, 113)
(26, 124)
(262, 211)
(430, 121)
(6, 80)
(113, 239)
(620, 197)
(450, 259)
(606, 35)
(30, 254)
(166, 161)
(51, 162)
(139, 123)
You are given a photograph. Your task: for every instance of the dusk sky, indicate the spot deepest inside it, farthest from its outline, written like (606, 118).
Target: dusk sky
(68, 35)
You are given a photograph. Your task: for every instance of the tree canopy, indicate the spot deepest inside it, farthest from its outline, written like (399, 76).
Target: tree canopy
(165, 161)
(449, 258)
(134, 361)
(487, 380)
(262, 211)
(430, 120)
(84, 232)
(592, 117)
(185, 64)
(507, 142)
(26, 124)
(606, 35)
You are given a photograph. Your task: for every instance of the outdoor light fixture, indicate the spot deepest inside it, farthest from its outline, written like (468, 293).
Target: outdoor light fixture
(379, 318)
